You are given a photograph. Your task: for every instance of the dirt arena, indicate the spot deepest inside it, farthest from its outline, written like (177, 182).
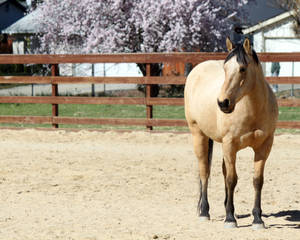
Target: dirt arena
(95, 185)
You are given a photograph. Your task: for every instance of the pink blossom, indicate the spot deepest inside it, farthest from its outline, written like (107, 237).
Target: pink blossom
(91, 26)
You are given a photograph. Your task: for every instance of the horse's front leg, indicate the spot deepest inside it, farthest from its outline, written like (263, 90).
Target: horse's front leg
(229, 170)
(261, 155)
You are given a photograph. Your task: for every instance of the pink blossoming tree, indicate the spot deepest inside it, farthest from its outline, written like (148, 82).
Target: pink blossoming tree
(110, 26)
(92, 26)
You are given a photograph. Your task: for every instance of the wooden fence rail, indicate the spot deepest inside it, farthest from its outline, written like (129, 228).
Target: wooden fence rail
(147, 80)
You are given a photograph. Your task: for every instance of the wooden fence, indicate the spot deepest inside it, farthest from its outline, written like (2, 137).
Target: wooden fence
(148, 80)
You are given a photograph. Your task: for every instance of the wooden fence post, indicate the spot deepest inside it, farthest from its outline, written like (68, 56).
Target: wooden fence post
(54, 72)
(149, 108)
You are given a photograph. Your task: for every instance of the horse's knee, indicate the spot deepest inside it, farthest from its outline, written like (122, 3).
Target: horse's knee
(258, 182)
(262, 152)
(231, 181)
(230, 174)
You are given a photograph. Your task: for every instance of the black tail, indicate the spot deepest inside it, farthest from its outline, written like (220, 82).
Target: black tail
(210, 152)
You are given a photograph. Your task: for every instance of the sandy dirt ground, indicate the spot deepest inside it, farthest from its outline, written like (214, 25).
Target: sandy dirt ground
(95, 185)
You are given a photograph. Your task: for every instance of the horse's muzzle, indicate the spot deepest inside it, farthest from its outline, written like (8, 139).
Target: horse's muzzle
(225, 106)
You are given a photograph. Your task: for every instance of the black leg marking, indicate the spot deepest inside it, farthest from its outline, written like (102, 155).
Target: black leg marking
(224, 174)
(203, 205)
(230, 207)
(230, 220)
(257, 183)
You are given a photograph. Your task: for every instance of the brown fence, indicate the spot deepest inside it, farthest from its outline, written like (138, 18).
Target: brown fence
(148, 80)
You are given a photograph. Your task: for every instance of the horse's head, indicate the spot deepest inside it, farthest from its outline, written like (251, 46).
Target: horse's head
(240, 67)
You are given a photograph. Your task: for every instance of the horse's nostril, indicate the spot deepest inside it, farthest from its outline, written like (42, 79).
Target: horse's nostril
(224, 104)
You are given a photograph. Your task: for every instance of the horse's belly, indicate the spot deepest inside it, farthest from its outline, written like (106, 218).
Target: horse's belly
(210, 129)
(205, 116)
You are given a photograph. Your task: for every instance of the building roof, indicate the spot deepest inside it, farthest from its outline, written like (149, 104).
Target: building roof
(21, 4)
(261, 10)
(26, 25)
(269, 22)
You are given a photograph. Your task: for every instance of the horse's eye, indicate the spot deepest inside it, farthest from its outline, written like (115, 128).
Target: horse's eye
(242, 69)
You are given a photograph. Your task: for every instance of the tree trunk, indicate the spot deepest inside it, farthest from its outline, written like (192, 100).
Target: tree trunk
(155, 70)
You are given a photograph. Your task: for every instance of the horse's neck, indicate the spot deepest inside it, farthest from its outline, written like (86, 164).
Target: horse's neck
(260, 92)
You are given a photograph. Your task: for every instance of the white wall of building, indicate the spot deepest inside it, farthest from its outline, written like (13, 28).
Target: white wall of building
(279, 37)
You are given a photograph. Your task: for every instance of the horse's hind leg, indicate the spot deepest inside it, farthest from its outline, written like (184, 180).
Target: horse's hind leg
(203, 148)
(261, 155)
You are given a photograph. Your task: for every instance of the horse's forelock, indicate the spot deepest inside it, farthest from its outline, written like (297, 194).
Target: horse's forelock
(241, 55)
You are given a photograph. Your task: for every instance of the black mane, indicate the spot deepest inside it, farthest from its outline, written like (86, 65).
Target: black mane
(241, 55)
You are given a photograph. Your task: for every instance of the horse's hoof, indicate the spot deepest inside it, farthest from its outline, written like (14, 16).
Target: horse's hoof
(204, 218)
(228, 225)
(257, 226)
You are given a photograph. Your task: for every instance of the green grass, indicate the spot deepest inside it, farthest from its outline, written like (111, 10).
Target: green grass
(25, 109)
(102, 111)
(92, 111)
(289, 113)
(112, 111)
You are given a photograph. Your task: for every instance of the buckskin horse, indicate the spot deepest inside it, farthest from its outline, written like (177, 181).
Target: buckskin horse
(230, 102)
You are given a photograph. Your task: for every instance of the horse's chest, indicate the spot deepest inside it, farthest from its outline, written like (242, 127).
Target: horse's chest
(245, 132)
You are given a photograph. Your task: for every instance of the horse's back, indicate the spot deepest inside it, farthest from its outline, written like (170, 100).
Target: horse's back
(204, 71)
(202, 87)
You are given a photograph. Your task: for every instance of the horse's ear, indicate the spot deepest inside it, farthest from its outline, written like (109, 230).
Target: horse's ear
(229, 44)
(247, 46)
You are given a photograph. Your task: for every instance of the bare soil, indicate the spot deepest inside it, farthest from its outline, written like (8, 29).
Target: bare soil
(108, 185)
